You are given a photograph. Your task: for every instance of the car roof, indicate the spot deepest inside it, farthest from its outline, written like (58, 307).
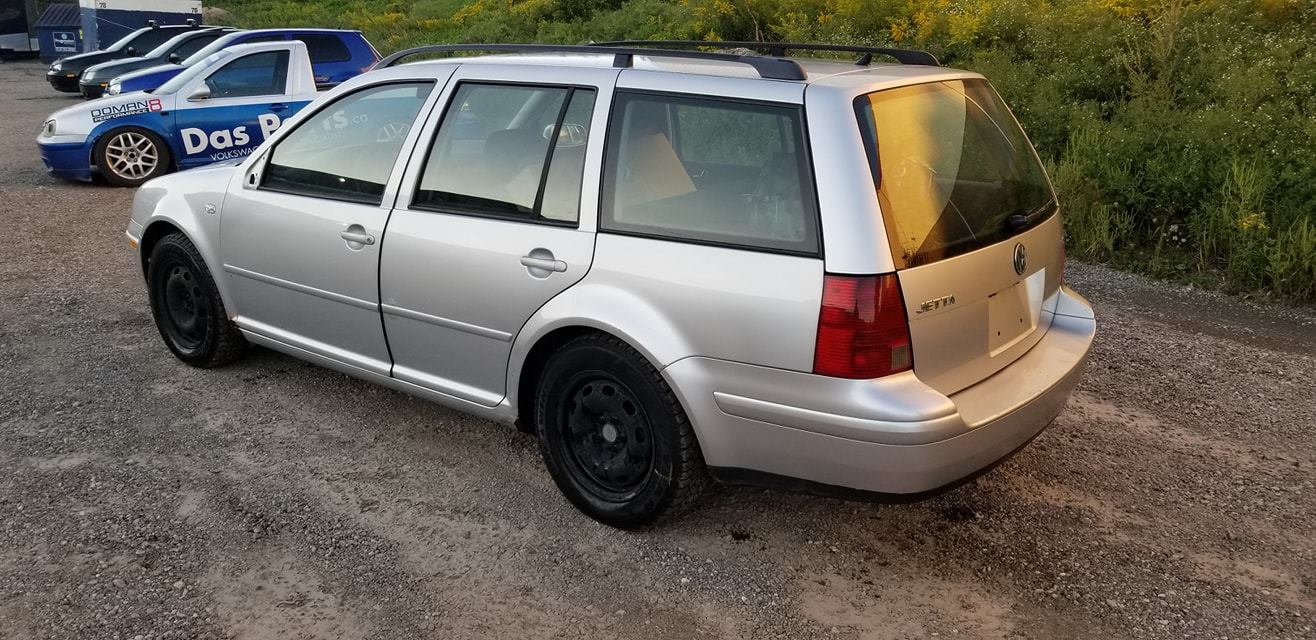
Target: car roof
(835, 73)
(298, 30)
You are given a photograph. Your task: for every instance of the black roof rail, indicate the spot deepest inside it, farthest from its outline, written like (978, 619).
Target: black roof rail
(774, 68)
(780, 49)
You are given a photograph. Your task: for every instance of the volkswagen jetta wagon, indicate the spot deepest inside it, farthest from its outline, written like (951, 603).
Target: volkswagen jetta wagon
(811, 274)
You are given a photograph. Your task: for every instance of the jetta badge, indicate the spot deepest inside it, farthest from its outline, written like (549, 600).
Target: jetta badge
(1020, 258)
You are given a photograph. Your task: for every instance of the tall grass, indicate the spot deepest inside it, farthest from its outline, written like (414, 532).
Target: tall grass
(1181, 133)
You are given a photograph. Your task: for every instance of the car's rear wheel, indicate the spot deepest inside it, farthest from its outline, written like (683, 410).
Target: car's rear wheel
(129, 156)
(613, 435)
(187, 307)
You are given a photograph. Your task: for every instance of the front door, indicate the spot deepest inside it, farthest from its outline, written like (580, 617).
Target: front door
(247, 99)
(302, 229)
(492, 224)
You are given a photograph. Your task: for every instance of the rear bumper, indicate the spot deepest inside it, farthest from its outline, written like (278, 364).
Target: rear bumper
(892, 435)
(63, 82)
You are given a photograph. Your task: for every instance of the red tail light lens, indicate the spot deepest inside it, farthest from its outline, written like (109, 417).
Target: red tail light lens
(863, 331)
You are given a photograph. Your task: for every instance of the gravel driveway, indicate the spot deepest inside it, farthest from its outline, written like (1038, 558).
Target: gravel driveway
(141, 498)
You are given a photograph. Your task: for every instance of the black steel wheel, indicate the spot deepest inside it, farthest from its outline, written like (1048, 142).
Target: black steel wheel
(607, 438)
(187, 307)
(613, 435)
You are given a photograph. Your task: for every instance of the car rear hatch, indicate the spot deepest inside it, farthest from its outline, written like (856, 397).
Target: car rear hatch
(970, 219)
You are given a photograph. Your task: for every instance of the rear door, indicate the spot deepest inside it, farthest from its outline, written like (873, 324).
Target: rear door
(971, 222)
(494, 218)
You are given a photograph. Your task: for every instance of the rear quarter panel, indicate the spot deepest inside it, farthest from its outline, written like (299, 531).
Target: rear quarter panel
(673, 300)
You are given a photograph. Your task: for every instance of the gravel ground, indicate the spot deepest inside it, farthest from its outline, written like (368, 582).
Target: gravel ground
(141, 498)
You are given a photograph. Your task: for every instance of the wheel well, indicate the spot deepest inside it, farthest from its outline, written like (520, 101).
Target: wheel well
(152, 235)
(534, 365)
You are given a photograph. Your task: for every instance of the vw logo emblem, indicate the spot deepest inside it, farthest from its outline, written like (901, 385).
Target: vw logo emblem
(1020, 258)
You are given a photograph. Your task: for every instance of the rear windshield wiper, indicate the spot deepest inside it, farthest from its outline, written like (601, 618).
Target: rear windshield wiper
(1020, 221)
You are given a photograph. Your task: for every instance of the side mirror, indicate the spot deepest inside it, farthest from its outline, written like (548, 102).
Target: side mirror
(131, 51)
(175, 58)
(200, 93)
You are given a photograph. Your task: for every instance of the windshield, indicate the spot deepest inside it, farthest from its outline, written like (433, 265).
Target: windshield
(123, 42)
(954, 171)
(174, 84)
(210, 49)
(164, 49)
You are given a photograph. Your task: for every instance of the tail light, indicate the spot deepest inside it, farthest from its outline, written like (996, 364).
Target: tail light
(863, 331)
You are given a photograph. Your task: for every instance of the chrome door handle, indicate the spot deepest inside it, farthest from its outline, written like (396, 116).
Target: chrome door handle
(359, 237)
(546, 264)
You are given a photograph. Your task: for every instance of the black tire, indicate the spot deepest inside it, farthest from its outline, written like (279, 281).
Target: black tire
(121, 156)
(187, 308)
(634, 457)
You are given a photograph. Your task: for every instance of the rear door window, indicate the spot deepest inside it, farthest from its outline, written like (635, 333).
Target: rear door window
(953, 170)
(512, 151)
(325, 48)
(710, 170)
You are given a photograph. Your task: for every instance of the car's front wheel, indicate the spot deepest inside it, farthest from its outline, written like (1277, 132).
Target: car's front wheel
(187, 307)
(613, 435)
(129, 156)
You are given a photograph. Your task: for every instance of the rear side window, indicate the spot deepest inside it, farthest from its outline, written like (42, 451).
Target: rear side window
(710, 170)
(509, 151)
(347, 150)
(325, 48)
(257, 74)
(954, 171)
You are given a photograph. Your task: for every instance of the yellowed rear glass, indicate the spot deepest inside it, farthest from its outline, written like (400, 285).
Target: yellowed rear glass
(953, 170)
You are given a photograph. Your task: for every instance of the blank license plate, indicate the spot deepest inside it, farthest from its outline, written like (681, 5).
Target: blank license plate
(1013, 312)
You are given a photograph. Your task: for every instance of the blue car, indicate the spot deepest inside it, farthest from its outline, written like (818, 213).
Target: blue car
(336, 56)
(219, 109)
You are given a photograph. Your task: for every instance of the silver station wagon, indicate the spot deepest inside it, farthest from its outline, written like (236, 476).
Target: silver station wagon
(669, 264)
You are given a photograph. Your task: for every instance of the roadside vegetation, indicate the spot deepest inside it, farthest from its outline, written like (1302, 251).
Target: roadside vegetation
(1181, 134)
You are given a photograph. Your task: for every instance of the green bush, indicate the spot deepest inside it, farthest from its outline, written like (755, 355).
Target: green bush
(1180, 133)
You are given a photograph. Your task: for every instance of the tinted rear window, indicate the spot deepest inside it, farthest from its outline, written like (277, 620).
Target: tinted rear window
(954, 172)
(325, 48)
